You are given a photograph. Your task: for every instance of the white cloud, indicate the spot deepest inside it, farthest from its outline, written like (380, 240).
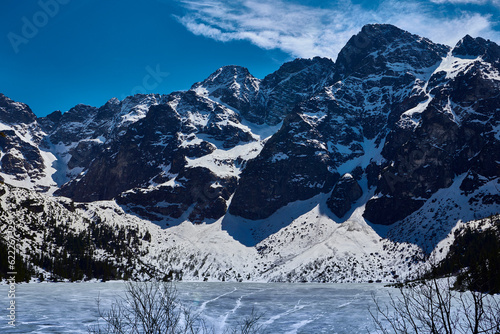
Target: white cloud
(299, 30)
(468, 2)
(304, 31)
(475, 2)
(471, 2)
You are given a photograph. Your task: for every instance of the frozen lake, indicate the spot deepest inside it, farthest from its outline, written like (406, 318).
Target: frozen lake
(286, 308)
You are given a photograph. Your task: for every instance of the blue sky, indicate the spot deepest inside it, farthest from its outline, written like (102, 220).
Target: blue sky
(55, 54)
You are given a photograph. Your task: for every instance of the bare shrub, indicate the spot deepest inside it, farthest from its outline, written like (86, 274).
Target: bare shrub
(154, 308)
(431, 306)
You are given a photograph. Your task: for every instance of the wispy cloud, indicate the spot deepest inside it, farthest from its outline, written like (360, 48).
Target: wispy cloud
(299, 30)
(468, 2)
(306, 31)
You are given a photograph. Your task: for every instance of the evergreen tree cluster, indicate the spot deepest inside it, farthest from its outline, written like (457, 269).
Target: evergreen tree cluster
(100, 251)
(474, 258)
(72, 255)
(23, 270)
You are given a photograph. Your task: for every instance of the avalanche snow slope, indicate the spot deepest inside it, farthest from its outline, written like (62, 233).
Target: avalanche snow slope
(313, 248)
(305, 242)
(446, 209)
(187, 251)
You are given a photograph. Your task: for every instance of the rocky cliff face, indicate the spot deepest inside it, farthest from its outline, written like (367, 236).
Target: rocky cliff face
(452, 132)
(378, 135)
(292, 83)
(380, 74)
(22, 162)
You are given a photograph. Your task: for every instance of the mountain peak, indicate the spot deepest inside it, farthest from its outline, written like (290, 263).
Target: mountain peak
(12, 112)
(79, 113)
(295, 66)
(393, 44)
(378, 29)
(225, 76)
(232, 85)
(113, 101)
(477, 47)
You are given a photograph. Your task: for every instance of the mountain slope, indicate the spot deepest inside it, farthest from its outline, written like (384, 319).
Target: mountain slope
(322, 171)
(344, 126)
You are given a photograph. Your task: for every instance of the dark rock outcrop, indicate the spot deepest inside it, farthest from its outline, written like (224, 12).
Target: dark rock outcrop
(12, 112)
(344, 194)
(287, 169)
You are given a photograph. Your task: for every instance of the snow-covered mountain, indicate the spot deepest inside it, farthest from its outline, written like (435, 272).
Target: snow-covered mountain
(352, 170)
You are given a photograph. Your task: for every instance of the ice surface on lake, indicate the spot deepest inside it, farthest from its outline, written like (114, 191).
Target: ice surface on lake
(286, 308)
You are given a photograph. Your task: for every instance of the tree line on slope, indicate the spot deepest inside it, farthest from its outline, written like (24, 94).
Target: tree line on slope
(474, 258)
(66, 254)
